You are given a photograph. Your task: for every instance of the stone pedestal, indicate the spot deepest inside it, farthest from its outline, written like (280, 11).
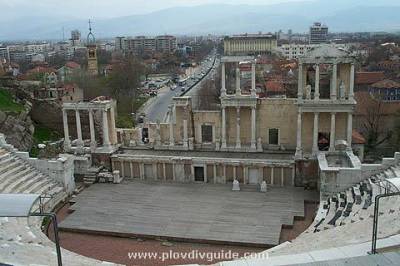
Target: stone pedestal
(116, 177)
(263, 187)
(235, 185)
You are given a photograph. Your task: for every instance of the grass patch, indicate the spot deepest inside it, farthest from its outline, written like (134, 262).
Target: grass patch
(41, 135)
(7, 103)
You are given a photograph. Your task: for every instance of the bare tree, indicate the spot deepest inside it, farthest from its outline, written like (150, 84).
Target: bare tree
(375, 131)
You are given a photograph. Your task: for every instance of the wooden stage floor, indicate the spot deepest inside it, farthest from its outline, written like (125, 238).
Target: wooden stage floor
(190, 212)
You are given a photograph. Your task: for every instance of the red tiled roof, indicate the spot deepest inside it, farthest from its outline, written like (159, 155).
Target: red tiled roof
(367, 78)
(357, 138)
(40, 69)
(274, 86)
(72, 64)
(386, 84)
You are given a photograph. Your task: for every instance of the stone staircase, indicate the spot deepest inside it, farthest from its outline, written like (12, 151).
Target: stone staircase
(18, 176)
(21, 240)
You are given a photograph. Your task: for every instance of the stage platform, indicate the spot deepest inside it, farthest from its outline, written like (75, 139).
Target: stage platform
(188, 212)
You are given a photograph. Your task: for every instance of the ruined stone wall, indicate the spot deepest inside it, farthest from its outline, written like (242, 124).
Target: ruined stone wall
(18, 129)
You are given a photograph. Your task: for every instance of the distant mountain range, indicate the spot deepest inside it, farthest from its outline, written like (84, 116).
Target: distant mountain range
(339, 15)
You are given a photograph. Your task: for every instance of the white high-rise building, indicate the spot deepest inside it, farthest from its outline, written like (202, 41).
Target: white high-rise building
(318, 33)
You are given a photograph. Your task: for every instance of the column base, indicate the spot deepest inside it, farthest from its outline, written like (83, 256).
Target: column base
(299, 154)
(93, 146)
(238, 146)
(67, 145)
(223, 145)
(253, 145)
(171, 144)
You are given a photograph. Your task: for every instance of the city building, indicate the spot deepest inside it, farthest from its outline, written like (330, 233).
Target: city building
(294, 51)
(75, 38)
(4, 54)
(386, 90)
(318, 33)
(143, 44)
(250, 44)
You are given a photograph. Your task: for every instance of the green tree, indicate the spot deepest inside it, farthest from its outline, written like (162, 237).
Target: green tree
(125, 77)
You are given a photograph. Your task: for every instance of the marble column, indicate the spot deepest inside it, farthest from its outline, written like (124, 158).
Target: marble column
(171, 126)
(300, 82)
(215, 173)
(272, 175)
(93, 143)
(253, 79)
(67, 141)
(164, 172)
(351, 88)
(349, 130)
(122, 168)
(141, 170)
(333, 131)
(185, 128)
(224, 172)
(223, 77)
(315, 133)
(130, 169)
(223, 128)
(113, 132)
(78, 129)
(334, 82)
(282, 177)
(237, 80)
(253, 128)
(238, 143)
(316, 93)
(106, 138)
(293, 174)
(299, 149)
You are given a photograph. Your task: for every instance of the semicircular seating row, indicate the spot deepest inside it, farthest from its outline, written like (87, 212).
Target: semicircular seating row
(347, 218)
(21, 240)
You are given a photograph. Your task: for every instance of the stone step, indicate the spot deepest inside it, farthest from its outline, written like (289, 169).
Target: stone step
(11, 163)
(29, 181)
(19, 179)
(40, 186)
(10, 176)
(4, 157)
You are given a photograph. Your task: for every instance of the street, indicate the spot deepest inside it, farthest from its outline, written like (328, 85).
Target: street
(156, 108)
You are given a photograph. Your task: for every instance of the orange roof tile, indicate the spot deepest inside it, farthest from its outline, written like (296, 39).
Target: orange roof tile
(367, 78)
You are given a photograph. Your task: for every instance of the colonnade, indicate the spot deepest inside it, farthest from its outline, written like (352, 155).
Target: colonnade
(276, 177)
(108, 125)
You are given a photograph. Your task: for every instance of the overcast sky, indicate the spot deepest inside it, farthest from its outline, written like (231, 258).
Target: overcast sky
(106, 8)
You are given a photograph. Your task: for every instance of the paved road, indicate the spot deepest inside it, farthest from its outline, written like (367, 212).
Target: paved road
(194, 91)
(157, 108)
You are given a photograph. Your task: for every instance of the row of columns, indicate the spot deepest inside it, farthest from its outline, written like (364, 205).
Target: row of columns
(223, 170)
(332, 138)
(237, 80)
(238, 144)
(93, 142)
(333, 91)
